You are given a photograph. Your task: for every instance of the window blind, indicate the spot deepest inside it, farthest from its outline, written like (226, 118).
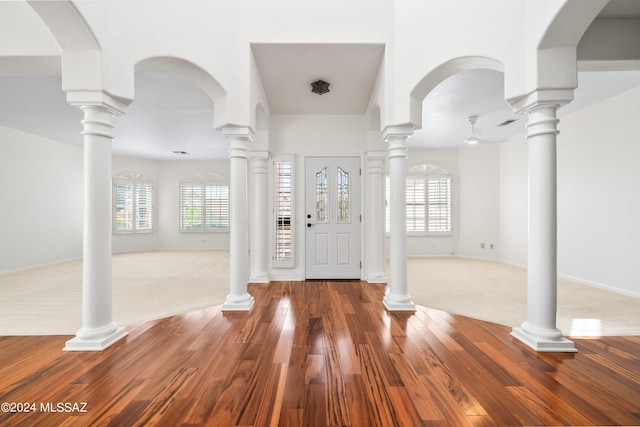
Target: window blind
(415, 204)
(132, 204)
(283, 209)
(204, 206)
(144, 206)
(439, 199)
(428, 204)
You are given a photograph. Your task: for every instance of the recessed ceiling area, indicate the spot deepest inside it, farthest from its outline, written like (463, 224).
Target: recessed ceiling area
(287, 71)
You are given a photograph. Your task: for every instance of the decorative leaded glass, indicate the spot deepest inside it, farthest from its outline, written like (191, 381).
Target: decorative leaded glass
(322, 196)
(344, 212)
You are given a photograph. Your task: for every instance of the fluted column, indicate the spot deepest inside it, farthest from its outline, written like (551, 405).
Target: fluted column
(540, 331)
(374, 219)
(238, 299)
(98, 329)
(259, 225)
(397, 297)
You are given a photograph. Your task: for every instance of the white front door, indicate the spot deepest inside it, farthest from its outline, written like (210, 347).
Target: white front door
(332, 217)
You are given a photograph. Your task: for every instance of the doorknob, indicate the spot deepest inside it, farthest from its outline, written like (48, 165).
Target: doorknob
(309, 224)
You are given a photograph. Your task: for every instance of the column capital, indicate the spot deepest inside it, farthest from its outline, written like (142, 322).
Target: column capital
(542, 120)
(375, 162)
(376, 155)
(233, 132)
(395, 132)
(259, 155)
(542, 98)
(259, 162)
(99, 99)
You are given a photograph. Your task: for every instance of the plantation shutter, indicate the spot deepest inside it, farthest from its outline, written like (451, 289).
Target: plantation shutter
(283, 209)
(439, 204)
(217, 206)
(428, 200)
(191, 206)
(415, 204)
(124, 209)
(204, 205)
(144, 205)
(132, 203)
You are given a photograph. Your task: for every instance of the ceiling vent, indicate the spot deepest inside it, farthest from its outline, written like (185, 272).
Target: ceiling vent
(507, 122)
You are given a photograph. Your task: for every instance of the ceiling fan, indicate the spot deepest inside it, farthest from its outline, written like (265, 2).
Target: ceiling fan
(473, 137)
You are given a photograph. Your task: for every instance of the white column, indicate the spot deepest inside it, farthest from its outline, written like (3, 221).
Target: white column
(397, 298)
(259, 214)
(98, 329)
(540, 331)
(238, 299)
(374, 219)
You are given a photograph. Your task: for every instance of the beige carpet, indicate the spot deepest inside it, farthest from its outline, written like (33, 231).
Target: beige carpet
(149, 285)
(146, 285)
(497, 292)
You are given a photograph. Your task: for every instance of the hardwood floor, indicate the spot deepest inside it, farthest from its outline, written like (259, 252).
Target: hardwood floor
(319, 353)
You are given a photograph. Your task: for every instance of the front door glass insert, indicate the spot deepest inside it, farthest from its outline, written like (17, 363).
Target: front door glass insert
(322, 196)
(344, 212)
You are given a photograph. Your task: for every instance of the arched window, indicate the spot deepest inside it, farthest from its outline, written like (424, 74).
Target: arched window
(428, 193)
(132, 203)
(204, 202)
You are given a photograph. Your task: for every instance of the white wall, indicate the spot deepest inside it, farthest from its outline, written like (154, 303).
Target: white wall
(479, 201)
(41, 196)
(514, 215)
(598, 195)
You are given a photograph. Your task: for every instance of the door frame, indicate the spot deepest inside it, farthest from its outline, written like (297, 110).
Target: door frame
(360, 158)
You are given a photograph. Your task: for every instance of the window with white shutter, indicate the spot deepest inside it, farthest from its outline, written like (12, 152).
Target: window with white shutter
(132, 203)
(439, 205)
(284, 208)
(204, 202)
(428, 204)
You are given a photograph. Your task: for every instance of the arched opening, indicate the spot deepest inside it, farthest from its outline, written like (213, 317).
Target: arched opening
(168, 134)
(171, 117)
(460, 194)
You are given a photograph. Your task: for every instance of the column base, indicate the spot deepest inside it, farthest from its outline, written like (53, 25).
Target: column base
(376, 278)
(542, 340)
(84, 341)
(398, 303)
(238, 303)
(259, 278)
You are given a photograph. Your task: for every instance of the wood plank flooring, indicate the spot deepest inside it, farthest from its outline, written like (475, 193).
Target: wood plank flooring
(319, 353)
